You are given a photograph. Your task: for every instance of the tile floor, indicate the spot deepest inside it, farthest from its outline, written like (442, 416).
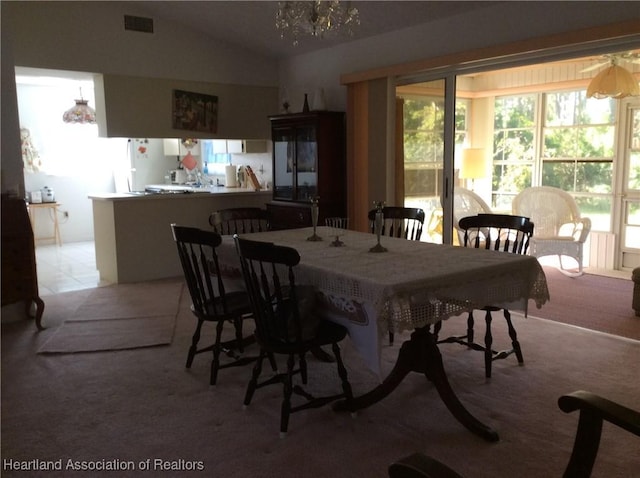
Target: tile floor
(68, 267)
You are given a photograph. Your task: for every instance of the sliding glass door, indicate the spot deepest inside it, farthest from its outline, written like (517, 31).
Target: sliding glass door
(532, 132)
(423, 139)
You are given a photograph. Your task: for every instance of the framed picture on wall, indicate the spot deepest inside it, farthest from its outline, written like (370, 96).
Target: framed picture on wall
(195, 111)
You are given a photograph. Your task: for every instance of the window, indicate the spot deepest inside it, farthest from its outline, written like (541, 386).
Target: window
(575, 152)
(213, 161)
(578, 151)
(423, 144)
(513, 147)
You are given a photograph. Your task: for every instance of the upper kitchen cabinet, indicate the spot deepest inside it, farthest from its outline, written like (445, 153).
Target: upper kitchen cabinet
(133, 107)
(240, 146)
(308, 161)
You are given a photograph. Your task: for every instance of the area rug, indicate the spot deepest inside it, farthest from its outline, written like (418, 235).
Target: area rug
(120, 317)
(110, 334)
(590, 301)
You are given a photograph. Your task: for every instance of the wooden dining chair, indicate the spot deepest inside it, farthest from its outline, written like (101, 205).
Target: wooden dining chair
(404, 222)
(337, 222)
(209, 300)
(498, 232)
(240, 220)
(287, 324)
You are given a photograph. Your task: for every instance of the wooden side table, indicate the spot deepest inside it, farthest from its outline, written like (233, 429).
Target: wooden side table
(52, 208)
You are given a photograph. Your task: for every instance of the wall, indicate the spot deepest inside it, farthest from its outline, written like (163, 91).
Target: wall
(142, 107)
(482, 27)
(89, 37)
(170, 54)
(381, 56)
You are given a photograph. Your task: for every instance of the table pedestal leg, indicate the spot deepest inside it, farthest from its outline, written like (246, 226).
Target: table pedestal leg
(421, 354)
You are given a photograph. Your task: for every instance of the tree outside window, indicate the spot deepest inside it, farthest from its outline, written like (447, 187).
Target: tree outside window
(578, 151)
(513, 147)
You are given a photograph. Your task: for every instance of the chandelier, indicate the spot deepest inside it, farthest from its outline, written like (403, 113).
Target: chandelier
(80, 113)
(315, 18)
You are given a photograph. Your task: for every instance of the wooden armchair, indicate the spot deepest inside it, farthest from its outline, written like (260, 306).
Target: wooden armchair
(560, 229)
(594, 411)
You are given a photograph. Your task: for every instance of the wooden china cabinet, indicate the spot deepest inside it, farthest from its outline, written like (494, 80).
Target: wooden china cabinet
(19, 273)
(309, 160)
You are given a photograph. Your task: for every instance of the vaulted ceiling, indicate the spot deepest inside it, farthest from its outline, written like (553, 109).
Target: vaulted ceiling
(251, 25)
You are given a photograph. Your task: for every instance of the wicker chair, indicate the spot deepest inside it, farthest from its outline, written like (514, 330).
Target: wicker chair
(560, 230)
(466, 203)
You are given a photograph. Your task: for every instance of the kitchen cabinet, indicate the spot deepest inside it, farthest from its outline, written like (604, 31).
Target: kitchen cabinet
(239, 146)
(246, 146)
(309, 160)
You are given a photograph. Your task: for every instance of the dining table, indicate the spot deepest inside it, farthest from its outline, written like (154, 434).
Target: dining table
(401, 285)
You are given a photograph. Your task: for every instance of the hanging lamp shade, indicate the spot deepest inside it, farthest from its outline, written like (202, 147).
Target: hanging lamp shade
(613, 82)
(80, 113)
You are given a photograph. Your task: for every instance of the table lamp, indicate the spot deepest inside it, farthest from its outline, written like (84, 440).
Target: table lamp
(475, 164)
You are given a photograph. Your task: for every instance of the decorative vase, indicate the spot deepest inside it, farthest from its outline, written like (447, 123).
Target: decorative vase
(314, 219)
(305, 107)
(378, 222)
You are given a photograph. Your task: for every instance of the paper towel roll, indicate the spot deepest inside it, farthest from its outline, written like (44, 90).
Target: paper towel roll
(231, 176)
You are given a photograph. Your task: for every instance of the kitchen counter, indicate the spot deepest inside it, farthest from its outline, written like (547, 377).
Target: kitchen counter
(174, 190)
(132, 231)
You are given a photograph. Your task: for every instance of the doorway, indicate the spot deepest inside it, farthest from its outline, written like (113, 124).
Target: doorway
(629, 199)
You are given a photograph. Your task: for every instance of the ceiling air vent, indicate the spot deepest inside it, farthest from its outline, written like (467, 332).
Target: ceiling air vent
(138, 24)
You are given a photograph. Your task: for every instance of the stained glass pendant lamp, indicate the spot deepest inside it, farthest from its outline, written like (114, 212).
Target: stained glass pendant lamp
(80, 113)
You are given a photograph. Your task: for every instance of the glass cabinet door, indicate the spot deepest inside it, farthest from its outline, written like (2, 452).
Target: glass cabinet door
(284, 163)
(306, 163)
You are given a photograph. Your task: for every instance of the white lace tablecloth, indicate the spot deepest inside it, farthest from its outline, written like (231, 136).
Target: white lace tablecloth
(411, 285)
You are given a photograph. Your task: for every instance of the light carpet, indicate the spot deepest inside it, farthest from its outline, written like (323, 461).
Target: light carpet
(144, 405)
(119, 317)
(590, 301)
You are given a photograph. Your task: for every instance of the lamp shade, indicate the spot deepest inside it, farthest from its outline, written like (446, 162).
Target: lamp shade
(613, 82)
(475, 164)
(81, 113)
